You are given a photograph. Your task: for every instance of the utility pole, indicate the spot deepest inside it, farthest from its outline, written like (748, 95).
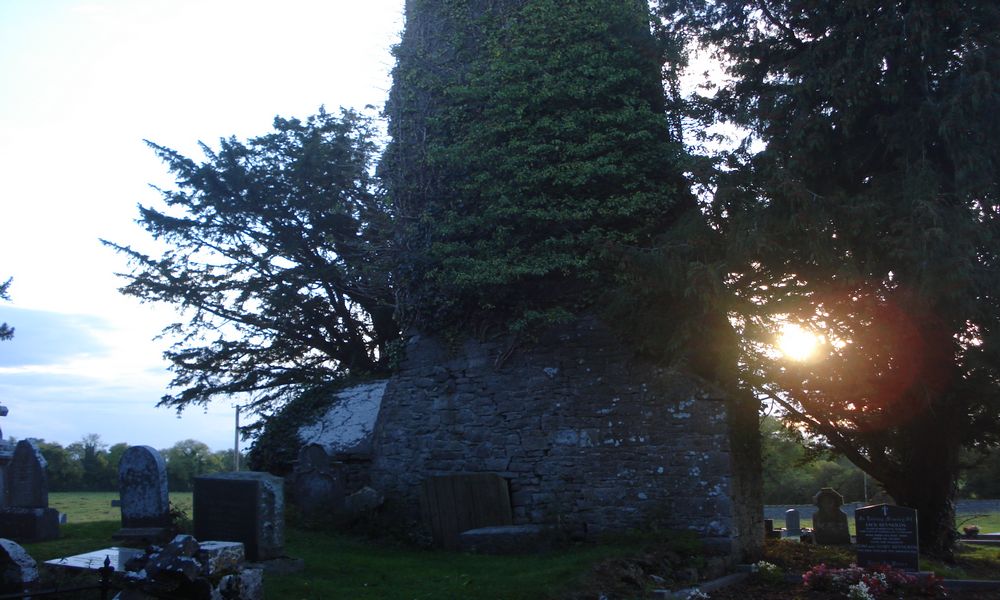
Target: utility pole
(236, 442)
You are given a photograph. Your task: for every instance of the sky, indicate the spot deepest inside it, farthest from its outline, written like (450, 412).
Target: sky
(82, 84)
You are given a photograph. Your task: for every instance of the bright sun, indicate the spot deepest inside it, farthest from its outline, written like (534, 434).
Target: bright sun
(796, 343)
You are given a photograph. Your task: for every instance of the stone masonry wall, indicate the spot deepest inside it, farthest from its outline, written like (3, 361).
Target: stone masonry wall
(586, 435)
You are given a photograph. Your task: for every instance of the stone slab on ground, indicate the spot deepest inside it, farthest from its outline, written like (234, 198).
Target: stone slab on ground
(142, 535)
(279, 566)
(93, 560)
(707, 587)
(505, 539)
(972, 584)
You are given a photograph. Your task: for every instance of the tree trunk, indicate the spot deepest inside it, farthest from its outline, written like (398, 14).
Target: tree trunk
(929, 483)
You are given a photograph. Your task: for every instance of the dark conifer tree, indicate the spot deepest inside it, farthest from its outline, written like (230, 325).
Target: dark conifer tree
(275, 249)
(864, 205)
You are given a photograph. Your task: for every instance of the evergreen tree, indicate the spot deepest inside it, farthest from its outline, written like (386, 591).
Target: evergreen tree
(275, 252)
(6, 331)
(864, 206)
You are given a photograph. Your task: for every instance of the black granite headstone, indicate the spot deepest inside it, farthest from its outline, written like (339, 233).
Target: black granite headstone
(887, 535)
(245, 507)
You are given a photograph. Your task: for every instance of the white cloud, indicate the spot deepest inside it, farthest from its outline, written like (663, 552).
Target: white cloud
(85, 81)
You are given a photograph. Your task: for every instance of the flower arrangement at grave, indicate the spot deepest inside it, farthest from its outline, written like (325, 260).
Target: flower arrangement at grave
(872, 583)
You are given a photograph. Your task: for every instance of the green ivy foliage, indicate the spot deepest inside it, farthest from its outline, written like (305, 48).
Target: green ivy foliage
(530, 149)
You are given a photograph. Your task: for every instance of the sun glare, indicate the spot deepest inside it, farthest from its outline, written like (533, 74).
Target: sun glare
(796, 343)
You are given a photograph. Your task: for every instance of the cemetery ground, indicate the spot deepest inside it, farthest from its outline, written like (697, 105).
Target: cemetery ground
(342, 566)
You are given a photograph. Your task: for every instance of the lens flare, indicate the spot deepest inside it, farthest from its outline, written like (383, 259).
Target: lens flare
(797, 343)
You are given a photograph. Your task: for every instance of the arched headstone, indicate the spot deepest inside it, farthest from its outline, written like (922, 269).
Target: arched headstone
(27, 516)
(829, 522)
(318, 483)
(142, 486)
(27, 482)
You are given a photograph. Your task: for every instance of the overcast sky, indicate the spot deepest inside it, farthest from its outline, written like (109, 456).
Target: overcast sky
(82, 83)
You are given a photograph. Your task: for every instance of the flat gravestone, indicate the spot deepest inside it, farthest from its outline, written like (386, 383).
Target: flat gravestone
(887, 535)
(144, 501)
(452, 504)
(829, 522)
(27, 484)
(247, 507)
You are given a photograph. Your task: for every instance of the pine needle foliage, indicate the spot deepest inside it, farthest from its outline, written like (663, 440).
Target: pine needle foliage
(864, 205)
(274, 249)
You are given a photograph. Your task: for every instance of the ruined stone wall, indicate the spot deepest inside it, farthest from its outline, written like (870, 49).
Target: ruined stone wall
(585, 434)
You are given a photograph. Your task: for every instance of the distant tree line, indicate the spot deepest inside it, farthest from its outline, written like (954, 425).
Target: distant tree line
(795, 468)
(91, 465)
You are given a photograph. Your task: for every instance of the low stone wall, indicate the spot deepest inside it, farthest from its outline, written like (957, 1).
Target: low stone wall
(585, 435)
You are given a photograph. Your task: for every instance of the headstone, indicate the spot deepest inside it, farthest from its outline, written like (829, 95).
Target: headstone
(452, 504)
(6, 455)
(887, 535)
(829, 522)
(318, 483)
(142, 487)
(27, 516)
(27, 482)
(770, 533)
(793, 524)
(247, 507)
(18, 571)
(362, 501)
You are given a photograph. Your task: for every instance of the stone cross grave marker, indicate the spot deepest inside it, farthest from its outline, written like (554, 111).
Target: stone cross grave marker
(887, 535)
(829, 522)
(247, 507)
(142, 486)
(793, 523)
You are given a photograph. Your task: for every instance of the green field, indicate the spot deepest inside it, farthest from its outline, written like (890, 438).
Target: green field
(988, 523)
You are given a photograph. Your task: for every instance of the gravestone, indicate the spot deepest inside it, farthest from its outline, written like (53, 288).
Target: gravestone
(793, 523)
(27, 516)
(318, 483)
(247, 507)
(18, 571)
(142, 487)
(6, 455)
(829, 522)
(887, 535)
(452, 504)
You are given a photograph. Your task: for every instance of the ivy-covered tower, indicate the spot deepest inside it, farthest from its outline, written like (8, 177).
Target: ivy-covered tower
(530, 154)
(529, 147)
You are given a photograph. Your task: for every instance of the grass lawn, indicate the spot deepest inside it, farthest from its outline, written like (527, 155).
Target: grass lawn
(339, 566)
